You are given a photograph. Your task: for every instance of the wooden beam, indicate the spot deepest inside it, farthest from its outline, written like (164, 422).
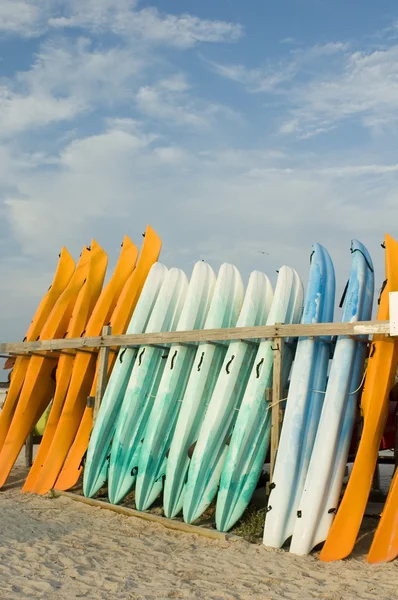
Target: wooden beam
(276, 399)
(147, 516)
(204, 335)
(102, 373)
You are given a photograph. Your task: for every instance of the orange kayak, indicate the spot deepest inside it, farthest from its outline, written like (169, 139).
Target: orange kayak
(382, 366)
(38, 386)
(83, 374)
(385, 542)
(84, 306)
(119, 323)
(63, 274)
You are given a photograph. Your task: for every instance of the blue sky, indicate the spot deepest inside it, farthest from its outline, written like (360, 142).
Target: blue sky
(232, 128)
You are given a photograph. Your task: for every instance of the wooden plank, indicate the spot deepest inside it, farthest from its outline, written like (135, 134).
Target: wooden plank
(203, 335)
(147, 516)
(103, 359)
(276, 398)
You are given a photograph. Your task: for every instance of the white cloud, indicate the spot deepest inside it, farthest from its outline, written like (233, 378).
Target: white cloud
(257, 80)
(310, 53)
(20, 112)
(24, 280)
(275, 76)
(104, 182)
(170, 100)
(359, 170)
(182, 31)
(94, 15)
(112, 183)
(69, 78)
(147, 24)
(170, 155)
(80, 69)
(364, 88)
(19, 17)
(65, 80)
(138, 157)
(325, 85)
(287, 40)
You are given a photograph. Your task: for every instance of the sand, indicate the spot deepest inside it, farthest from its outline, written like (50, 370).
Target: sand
(58, 548)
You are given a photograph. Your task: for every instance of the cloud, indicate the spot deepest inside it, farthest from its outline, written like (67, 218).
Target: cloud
(148, 24)
(101, 182)
(20, 112)
(70, 78)
(170, 100)
(325, 85)
(256, 80)
(81, 68)
(120, 17)
(93, 15)
(287, 40)
(364, 88)
(19, 17)
(206, 204)
(100, 135)
(64, 81)
(57, 201)
(275, 76)
(24, 282)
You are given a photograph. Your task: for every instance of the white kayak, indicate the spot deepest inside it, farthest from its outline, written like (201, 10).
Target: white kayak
(250, 438)
(198, 306)
(304, 404)
(212, 436)
(224, 312)
(142, 386)
(98, 452)
(325, 474)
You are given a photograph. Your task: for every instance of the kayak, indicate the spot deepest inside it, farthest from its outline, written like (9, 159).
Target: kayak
(205, 423)
(96, 466)
(86, 300)
(62, 277)
(328, 461)
(380, 374)
(304, 404)
(61, 434)
(119, 320)
(250, 438)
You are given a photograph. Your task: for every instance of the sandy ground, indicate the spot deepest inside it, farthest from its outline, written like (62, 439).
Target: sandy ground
(57, 548)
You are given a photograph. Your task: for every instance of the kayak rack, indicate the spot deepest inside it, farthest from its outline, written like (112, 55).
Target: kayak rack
(278, 333)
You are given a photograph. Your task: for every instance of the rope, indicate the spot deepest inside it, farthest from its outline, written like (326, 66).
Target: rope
(349, 393)
(271, 404)
(360, 385)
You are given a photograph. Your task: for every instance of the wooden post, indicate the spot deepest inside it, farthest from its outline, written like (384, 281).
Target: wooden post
(102, 373)
(276, 398)
(376, 484)
(29, 450)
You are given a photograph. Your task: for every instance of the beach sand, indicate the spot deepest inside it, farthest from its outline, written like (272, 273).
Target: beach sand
(58, 548)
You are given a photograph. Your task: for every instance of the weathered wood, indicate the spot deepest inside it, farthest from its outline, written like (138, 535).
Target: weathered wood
(103, 359)
(29, 450)
(203, 335)
(31, 441)
(146, 516)
(51, 354)
(276, 399)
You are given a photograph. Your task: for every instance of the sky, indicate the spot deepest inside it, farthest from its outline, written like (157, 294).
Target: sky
(241, 131)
